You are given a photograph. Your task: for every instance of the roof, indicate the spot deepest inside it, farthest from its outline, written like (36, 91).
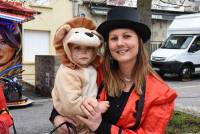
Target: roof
(15, 11)
(185, 24)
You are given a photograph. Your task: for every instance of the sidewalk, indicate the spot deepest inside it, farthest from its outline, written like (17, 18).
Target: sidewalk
(194, 110)
(33, 119)
(188, 100)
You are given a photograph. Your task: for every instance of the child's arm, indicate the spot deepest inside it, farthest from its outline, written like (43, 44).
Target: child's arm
(67, 93)
(103, 106)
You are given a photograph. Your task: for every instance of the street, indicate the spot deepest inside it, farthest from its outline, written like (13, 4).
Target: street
(188, 95)
(34, 119)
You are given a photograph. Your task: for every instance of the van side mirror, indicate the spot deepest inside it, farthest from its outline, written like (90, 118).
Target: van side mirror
(193, 48)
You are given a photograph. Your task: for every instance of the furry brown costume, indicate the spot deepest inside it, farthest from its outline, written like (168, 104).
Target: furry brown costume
(74, 83)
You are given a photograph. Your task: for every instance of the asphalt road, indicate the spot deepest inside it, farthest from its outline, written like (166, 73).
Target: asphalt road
(188, 94)
(34, 119)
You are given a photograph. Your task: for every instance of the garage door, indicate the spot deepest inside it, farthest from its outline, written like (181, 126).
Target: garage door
(35, 43)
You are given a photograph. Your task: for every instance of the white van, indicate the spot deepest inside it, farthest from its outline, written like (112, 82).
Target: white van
(180, 52)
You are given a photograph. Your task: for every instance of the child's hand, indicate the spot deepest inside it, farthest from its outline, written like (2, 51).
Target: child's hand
(91, 103)
(103, 106)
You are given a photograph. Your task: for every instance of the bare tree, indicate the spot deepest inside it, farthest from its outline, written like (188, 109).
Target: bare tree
(144, 10)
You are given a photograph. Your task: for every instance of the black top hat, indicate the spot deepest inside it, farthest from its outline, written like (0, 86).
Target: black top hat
(124, 17)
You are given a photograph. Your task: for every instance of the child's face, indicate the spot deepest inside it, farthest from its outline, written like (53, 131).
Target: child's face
(82, 55)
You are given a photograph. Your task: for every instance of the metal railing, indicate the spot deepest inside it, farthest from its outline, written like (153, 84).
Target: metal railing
(154, 45)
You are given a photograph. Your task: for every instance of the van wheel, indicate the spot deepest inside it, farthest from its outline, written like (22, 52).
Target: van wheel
(186, 72)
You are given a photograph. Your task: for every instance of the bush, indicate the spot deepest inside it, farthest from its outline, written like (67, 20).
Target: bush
(183, 123)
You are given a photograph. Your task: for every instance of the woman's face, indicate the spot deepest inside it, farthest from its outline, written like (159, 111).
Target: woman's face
(123, 45)
(6, 52)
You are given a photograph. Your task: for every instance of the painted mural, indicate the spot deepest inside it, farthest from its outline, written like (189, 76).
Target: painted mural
(10, 48)
(12, 15)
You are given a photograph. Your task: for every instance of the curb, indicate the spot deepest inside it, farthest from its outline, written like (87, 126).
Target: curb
(193, 110)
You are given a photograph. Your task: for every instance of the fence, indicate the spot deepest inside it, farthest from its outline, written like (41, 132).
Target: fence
(154, 45)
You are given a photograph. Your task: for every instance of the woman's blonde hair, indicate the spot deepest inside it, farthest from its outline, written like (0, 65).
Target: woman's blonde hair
(110, 68)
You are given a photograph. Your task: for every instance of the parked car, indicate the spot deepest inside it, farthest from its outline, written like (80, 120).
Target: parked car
(180, 52)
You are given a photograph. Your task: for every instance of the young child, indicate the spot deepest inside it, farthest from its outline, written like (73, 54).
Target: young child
(76, 43)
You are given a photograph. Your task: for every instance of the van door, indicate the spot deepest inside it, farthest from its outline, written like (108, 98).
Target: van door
(194, 53)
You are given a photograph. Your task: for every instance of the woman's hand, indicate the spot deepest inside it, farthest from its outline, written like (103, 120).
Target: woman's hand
(59, 120)
(93, 114)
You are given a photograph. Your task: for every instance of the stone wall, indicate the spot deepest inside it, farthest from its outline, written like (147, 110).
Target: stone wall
(45, 70)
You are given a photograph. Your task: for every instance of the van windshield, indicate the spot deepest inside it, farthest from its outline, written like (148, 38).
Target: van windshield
(177, 42)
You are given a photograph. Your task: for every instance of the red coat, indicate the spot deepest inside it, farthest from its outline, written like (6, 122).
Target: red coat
(5, 118)
(157, 112)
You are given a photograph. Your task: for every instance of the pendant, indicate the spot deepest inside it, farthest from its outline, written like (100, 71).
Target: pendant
(126, 79)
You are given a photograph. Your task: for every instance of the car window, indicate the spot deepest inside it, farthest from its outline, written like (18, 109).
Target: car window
(196, 43)
(177, 42)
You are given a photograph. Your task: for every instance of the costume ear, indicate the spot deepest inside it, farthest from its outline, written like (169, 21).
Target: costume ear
(58, 42)
(61, 32)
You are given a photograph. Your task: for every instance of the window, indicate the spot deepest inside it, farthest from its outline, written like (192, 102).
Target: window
(42, 2)
(196, 43)
(35, 43)
(177, 42)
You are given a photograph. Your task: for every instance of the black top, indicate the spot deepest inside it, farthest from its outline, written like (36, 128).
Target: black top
(112, 115)
(116, 108)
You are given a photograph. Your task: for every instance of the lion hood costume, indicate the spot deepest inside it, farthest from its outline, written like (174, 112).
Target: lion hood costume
(74, 83)
(80, 31)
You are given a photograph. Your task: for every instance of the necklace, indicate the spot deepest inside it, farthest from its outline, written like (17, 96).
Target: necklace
(125, 79)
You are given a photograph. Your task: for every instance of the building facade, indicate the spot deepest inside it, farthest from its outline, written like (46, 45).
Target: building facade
(38, 34)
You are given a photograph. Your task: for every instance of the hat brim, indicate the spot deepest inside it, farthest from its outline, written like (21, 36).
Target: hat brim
(141, 29)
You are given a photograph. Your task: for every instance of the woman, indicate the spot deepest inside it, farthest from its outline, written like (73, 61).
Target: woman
(10, 54)
(10, 61)
(10, 48)
(140, 102)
